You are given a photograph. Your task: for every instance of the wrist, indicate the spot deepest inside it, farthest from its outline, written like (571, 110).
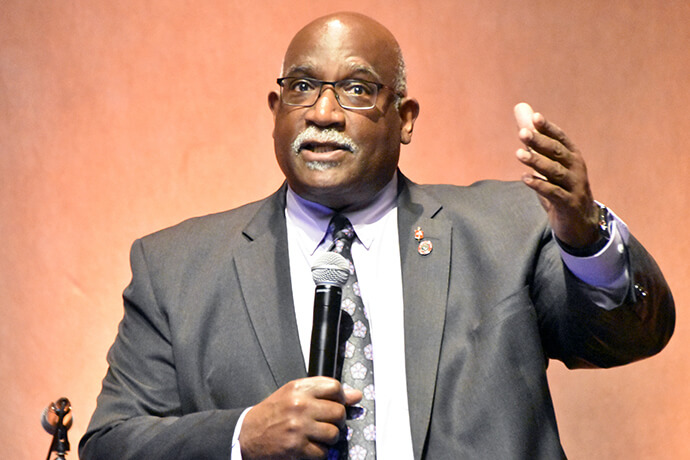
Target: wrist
(601, 236)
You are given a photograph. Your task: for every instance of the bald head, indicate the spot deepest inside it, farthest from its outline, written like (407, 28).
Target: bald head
(345, 29)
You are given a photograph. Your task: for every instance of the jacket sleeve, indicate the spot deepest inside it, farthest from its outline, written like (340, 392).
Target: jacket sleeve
(139, 412)
(581, 334)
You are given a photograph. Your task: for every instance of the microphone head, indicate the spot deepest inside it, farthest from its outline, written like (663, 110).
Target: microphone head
(331, 268)
(51, 415)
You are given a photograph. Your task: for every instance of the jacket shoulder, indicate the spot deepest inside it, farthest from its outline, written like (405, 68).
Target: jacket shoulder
(198, 235)
(487, 200)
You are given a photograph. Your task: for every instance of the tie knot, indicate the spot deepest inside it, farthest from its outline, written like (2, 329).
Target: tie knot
(341, 228)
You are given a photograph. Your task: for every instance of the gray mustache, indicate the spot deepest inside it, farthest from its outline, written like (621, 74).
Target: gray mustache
(313, 134)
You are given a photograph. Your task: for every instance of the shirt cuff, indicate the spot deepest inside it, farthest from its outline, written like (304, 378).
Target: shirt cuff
(606, 270)
(236, 452)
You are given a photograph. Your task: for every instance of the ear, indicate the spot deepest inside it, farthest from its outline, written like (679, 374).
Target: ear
(273, 102)
(409, 110)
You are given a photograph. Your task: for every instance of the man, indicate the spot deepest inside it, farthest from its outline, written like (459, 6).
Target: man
(469, 291)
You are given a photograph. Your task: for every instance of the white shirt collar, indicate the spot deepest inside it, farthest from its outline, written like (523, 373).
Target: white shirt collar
(310, 220)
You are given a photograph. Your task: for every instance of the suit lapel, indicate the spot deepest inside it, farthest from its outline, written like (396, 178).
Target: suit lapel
(264, 273)
(425, 290)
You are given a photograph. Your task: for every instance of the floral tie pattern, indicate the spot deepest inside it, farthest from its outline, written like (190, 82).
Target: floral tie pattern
(358, 441)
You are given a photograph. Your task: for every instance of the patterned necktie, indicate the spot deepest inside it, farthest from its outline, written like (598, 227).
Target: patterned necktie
(359, 442)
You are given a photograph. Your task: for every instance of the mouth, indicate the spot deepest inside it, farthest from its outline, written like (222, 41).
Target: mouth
(321, 156)
(323, 148)
(326, 146)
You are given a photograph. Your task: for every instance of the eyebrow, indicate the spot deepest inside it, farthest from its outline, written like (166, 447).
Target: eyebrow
(365, 69)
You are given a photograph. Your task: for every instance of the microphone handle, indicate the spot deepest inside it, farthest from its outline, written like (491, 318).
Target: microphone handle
(323, 353)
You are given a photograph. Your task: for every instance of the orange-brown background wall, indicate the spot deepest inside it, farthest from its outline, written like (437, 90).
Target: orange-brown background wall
(118, 118)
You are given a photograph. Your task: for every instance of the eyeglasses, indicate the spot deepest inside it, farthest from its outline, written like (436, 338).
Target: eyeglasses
(350, 93)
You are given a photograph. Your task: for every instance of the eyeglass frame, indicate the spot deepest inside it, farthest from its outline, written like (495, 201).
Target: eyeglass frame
(321, 83)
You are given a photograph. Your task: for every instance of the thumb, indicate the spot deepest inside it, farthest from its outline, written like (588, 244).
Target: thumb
(524, 116)
(352, 396)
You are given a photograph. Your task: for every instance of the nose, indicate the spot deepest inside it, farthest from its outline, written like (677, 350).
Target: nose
(326, 111)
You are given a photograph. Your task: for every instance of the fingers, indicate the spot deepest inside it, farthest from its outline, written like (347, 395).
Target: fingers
(552, 131)
(548, 150)
(550, 153)
(552, 168)
(300, 420)
(559, 177)
(549, 147)
(321, 388)
(526, 118)
(551, 194)
(320, 399)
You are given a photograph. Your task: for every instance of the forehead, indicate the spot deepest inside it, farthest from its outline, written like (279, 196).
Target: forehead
(335, 50)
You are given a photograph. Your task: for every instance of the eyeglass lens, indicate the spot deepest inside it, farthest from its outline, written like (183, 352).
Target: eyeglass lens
(351, 93)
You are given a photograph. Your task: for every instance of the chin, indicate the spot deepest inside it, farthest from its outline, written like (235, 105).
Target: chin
(327, 181)
(322, 165)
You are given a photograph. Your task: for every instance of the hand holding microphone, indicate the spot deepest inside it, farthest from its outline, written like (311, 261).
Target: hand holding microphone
(313, 404)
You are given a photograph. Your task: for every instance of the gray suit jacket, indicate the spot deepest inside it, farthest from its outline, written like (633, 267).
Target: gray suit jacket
(209, 328)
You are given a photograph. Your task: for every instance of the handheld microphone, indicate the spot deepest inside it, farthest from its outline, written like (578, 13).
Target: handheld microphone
(330, 273)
